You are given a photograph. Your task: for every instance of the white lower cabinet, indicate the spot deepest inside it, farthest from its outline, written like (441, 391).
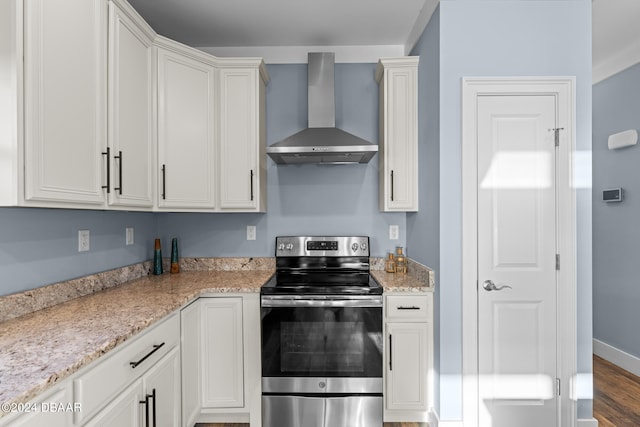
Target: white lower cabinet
(154, 400)
(119, 390)
(54, 409)
(408, 357)
(221, 360)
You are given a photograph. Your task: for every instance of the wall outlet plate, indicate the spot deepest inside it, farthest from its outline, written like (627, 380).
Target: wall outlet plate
(129, 236)
(251, 232)
(394, 232)
(84, 240)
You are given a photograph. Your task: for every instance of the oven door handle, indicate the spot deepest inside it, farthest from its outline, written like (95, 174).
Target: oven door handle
(333, 301)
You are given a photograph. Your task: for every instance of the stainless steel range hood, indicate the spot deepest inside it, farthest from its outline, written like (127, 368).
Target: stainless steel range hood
(322, 142)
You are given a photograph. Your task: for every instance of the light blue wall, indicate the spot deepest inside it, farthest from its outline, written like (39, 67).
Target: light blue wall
(506, 38)
(616, 234)
(303, 199)
(423, 236)
(40, 246)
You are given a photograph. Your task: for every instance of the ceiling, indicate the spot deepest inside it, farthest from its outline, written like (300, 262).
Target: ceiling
(261, 26)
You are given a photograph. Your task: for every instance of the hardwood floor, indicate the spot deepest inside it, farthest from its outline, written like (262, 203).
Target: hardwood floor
(616, 395)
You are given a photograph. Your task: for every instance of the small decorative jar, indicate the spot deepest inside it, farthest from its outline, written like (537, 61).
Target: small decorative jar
(401, 261)
(390, 264)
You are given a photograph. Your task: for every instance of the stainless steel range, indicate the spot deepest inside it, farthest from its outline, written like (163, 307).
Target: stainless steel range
(322, 335)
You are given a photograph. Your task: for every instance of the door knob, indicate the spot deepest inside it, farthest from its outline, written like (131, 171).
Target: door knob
(488, 285)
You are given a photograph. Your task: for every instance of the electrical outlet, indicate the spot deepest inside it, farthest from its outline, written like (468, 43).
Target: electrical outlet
(129, 236)
(84, 240)
(251, 232)
(394, 232)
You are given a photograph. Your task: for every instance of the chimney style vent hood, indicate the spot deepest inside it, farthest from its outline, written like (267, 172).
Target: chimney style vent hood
(322, 142)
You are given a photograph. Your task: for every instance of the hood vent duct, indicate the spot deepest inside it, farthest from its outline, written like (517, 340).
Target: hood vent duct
(322, 142)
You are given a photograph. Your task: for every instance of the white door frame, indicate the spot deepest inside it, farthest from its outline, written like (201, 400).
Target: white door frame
(563, 88)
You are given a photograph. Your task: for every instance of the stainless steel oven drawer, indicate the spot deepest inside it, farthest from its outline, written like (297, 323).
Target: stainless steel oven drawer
(303, 411)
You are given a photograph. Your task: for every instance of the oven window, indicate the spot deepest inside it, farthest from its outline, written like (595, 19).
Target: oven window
(342, 342)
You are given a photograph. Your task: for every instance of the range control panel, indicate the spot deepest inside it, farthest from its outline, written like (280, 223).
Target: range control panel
(322, 246)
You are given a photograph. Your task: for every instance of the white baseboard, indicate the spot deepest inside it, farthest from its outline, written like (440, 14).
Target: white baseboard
(616, 356)
(434, 421)
(587, 423)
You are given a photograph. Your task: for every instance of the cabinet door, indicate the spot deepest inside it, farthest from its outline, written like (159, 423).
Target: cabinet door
(407, 361)
(399, 137)
(185, 132)
(239, 139)
(126, 410)
(65, 100)
(163, 382)
(222, 358)
(54, 410)
(130, 111)
(190, 349)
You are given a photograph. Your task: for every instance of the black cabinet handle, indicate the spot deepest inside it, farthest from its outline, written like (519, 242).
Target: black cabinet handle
(392, 185)
(156, 347)
(108, 154)
(153, 396)
(390, 353)
(164, 180)
(413, 307)
(145, 402)
(251, 177)
(119, 156)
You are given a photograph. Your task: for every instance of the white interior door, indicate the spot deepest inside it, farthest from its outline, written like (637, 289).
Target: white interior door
(517, 246)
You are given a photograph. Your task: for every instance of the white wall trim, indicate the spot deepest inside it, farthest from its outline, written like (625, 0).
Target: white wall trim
(421, 23)
(622, 60)
(564, 89)
(587, 423)
(298, 54)
(616, 356)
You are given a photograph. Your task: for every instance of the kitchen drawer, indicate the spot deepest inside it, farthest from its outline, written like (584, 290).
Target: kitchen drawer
(405, 307)
(104, 379)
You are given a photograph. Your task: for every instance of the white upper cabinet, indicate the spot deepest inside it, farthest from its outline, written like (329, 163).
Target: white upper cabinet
(186, 137)
(398, 80)
(99, 112)
(242, 135)
(131, 113)
(64, 100)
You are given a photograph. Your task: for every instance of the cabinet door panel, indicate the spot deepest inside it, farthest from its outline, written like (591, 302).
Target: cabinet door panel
(398, 134)
(45, 416)
(185, 132)
(65, 99)
(407, 366)
(164, 378)
(130, 112)
(124, 411)
(238, 138)
(222, 358)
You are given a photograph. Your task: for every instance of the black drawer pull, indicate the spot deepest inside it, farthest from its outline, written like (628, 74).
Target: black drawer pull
(156, 347)
(413, 307)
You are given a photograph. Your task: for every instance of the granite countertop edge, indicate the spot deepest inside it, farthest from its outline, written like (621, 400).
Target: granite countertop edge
(42, 348)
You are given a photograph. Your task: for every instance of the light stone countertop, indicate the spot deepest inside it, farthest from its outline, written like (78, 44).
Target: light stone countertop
(39, 349)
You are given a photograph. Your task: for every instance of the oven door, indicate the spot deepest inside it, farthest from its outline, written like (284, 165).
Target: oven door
(320, 336)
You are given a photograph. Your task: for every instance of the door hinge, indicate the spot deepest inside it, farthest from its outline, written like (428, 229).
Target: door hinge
(557, 261)
(558, 386)
(556, 133)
